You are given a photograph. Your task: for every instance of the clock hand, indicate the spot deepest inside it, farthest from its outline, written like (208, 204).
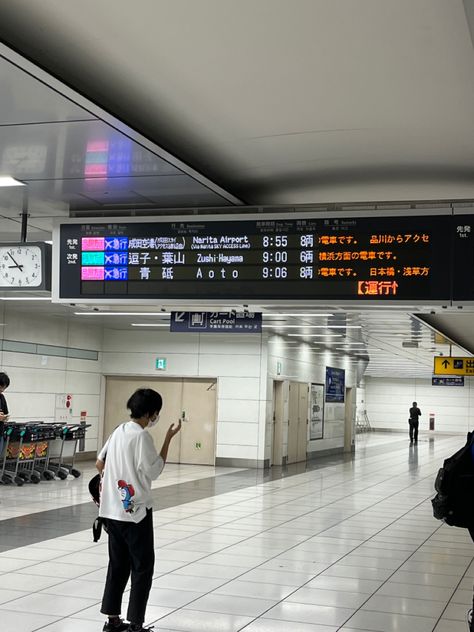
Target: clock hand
(20, 267)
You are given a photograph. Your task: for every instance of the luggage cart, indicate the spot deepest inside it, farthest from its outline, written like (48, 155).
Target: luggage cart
(55, 450)
(27, 452)
(11, 456)
(63, 450)
(72, 435)
(45, 434)
(8, 474)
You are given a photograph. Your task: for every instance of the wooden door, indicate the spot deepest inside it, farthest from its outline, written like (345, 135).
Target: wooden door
(118, 391)
(192, 400)
(198, 433)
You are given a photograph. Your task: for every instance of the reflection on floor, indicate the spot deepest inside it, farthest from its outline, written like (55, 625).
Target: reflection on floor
(348, 545)
(369, 439)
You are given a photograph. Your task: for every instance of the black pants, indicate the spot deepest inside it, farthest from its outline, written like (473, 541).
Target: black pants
(131, 553)
(414, 429)
(471, 533)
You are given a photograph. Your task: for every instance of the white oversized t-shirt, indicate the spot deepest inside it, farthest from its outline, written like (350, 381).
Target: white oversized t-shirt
(131, 463)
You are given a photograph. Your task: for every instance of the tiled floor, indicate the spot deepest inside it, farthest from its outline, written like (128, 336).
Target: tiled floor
(351, 546)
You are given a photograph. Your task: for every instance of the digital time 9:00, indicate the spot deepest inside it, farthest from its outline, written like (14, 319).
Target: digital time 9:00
(279, 256)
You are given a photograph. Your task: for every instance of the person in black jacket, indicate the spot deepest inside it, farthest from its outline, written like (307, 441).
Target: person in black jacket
(415, 413)
(4, 384)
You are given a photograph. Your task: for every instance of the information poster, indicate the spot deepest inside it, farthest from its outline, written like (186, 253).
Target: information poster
(316, 428)
(335, 385)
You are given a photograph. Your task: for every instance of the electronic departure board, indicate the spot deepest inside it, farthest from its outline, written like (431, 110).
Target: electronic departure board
(463, 258)
(353, 258)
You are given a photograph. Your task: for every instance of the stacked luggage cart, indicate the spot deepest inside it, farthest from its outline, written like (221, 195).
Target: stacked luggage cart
(36, 451)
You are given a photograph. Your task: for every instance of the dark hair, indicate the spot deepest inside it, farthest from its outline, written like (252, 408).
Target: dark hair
(4, 380)
(144, 401)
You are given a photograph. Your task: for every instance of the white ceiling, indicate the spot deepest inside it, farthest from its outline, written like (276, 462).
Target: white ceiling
(281, 101)
(74, 157)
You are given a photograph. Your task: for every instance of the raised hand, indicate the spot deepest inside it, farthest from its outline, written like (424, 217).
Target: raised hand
(173, 430)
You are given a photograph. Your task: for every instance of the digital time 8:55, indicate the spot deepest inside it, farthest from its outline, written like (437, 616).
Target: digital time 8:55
(279, 241)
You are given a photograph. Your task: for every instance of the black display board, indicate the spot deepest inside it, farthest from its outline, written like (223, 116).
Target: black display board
(345, 259)
(463, 258)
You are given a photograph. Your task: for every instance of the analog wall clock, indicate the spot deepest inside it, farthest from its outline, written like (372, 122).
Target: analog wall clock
(25, 266)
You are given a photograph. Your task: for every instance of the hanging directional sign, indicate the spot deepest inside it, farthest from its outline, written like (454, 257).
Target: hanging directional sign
(225, 322)
(453, 366)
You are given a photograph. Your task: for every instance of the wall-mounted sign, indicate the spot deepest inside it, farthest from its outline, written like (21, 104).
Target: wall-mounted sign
(316, 413)
(447, 365)
(216, 322)
(269, 258)
(160, 364)
(447, 381)
(63, 407)
(335, 385)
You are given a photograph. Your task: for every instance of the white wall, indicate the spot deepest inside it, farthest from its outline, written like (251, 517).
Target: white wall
(388, 401)
(237, 361)
(299, 363)
(36, 379)
(244, 366)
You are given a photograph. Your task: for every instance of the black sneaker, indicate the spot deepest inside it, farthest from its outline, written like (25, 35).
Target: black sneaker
(469, 621)
(120, 626)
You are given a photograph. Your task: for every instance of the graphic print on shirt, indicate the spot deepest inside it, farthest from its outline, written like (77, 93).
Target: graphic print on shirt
(127, 492)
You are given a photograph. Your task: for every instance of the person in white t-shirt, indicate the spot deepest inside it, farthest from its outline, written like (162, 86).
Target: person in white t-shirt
(128, 463)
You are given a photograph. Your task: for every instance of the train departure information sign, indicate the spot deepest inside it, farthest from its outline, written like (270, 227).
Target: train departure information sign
(364, 259)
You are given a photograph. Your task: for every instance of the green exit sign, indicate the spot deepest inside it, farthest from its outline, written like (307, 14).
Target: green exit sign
(160, 364)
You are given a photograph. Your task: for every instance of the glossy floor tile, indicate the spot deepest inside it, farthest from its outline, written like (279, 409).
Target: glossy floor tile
(348, 543)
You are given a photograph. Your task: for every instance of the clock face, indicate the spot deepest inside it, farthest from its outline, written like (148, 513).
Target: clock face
(20, 266)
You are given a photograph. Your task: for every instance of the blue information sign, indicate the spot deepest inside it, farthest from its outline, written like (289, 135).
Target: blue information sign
(335, 385)
(447, 381)
(216, 322)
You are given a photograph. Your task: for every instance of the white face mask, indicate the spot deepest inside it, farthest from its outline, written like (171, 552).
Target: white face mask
(153, 422)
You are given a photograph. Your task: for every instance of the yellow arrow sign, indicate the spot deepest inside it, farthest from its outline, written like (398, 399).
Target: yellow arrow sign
(453, 366)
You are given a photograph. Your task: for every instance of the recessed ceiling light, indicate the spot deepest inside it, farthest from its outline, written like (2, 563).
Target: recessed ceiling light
(299, 315)
(150, 325)
(8, 181)
(141, 314)
(323, 343)
(276, 326)
(25, 298)
(317, 336)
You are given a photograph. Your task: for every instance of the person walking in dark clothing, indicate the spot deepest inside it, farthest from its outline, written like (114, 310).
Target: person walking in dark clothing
(415, 413)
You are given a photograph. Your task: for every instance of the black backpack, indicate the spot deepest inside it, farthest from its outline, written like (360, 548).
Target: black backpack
(454, 501)
(94, 490)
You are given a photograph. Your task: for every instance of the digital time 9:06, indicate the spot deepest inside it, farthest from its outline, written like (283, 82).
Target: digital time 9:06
(274, 273)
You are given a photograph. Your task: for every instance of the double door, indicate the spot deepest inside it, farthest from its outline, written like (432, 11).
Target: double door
(298, 403)
(191, 400)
